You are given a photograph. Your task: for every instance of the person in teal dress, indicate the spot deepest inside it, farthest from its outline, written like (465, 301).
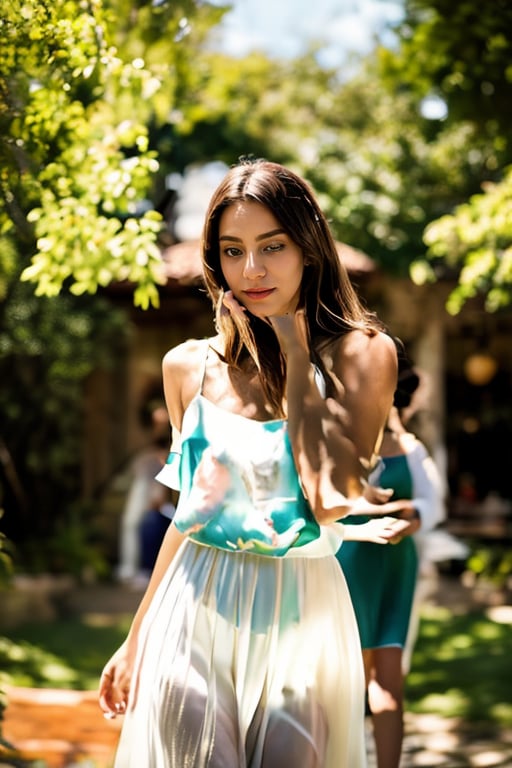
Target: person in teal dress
(382, 580)
(244, 651)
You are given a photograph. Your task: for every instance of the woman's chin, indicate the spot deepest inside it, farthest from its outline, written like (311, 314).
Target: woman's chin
(260, 314)
(264, 313)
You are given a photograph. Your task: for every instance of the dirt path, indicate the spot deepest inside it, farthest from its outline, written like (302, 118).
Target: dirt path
(66, 729)
(61, 728)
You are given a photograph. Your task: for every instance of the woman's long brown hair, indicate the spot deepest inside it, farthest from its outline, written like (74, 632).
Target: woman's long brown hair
(332, 306)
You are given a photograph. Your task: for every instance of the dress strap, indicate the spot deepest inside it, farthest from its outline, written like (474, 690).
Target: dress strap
(320, 382)
(203, 364)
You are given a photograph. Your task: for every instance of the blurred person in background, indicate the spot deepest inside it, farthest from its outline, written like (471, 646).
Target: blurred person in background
(383, 577)
(142, 525)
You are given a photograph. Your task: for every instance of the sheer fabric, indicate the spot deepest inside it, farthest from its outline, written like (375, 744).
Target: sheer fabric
(249, 656)
(248, 661)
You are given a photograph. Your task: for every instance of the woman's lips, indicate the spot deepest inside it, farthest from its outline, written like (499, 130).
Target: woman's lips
(257, 295)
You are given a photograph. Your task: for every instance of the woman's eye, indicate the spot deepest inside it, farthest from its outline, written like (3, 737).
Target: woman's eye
(274, 247)
(232, 251)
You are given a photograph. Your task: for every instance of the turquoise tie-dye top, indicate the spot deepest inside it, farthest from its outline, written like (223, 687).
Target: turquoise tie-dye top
(239, 488)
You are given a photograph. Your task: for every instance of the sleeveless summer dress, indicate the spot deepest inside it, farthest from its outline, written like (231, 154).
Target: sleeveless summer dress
(249, 655)
(382, 577)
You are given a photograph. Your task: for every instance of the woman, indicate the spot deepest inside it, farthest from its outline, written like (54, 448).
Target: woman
(382, 580)
(244, 650)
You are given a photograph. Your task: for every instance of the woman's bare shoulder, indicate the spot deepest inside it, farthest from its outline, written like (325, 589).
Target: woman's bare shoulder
(184, 356)
(182, 368)
(366, 353)
(377, 342)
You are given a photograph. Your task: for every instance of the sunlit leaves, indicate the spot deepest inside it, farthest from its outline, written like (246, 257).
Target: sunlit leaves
(478, 236)
(77, 163)
(88, 226)
(93, 251)
(460, 53)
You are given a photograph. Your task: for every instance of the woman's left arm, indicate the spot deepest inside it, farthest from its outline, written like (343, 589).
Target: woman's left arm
(334, 439)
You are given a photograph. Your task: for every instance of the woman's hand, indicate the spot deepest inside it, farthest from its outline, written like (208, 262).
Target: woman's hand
(379, 530)
(290, 330)
(378, 505)
(392, 520)
(232, 306)
(115, 682)
(375, 494)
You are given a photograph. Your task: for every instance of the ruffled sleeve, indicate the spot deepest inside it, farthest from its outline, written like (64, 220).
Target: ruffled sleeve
(169, 475)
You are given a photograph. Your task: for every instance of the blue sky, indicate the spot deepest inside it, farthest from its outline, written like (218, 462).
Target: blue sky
(283, 28)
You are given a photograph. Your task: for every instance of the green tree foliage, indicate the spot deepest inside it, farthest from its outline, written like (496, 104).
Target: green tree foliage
(253, 105)
(77, 167)
(81, 83)
(222, 114)
(384, 169)
(461, 53)
(478, 235)
(48, 348)
(381, 181)
(73, 170)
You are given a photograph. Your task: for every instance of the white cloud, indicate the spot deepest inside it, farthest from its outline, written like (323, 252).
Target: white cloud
(284, 29)
(194, 193)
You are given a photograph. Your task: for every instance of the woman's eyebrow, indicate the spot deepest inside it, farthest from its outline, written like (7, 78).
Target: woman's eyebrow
(272, 233)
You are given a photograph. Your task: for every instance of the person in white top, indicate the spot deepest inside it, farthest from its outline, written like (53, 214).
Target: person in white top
(382, 578)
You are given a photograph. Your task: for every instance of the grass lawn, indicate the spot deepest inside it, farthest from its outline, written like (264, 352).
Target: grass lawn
(69, 653)
(462, 664)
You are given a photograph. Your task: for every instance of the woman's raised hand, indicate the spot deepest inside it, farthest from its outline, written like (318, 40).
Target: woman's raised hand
(290, 329)
(231, 305)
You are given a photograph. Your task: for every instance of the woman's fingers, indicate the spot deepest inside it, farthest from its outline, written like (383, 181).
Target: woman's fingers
(396, 529)
(113, 696)
(232, 305)
(377, 495)
(391, 507)
(119, 708)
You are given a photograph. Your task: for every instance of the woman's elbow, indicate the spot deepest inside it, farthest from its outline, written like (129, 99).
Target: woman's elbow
(332, 508)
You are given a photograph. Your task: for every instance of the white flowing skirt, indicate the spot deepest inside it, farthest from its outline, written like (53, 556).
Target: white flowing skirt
(247, 662)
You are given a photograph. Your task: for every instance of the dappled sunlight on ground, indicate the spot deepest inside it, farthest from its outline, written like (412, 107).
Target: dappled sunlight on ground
(66, 729)
(501, 614)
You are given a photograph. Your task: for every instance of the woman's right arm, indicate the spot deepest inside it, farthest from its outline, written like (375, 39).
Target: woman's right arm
(116, 677)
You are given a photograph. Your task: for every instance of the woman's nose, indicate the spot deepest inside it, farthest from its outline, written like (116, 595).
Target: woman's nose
(253, 267)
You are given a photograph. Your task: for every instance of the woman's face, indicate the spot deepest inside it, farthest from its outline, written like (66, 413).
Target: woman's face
(260, 262)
